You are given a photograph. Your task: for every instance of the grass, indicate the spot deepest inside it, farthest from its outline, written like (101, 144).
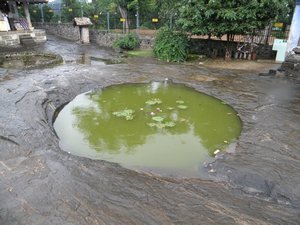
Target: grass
(141, 53)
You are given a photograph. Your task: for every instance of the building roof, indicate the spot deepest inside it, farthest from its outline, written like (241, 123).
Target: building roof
(82, 21)
(2, 2)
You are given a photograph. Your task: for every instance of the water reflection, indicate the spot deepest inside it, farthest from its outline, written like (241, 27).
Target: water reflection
(202, 124)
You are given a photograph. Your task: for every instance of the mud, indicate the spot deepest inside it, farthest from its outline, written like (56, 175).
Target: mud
(258, 182)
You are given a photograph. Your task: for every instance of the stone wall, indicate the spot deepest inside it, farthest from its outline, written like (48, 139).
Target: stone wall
(12, 38)
(102, 38)
(212, 48)
(65, 30)
(291, 64)
(9, 39)
(38, 35)
(216, 48)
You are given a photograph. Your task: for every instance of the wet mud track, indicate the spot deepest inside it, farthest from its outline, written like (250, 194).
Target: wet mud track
(256, 183)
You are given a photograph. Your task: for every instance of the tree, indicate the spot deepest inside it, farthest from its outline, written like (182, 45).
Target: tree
(126, 7)
(70, 9)
(168, 9)
(37, 12)
(231, 17)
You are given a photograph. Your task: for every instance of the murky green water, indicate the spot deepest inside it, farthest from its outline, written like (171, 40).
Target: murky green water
(160, 127)
(28, 60)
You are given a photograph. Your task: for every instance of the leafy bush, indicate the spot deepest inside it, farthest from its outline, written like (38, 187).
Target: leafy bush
(170, 45)
(128, 42)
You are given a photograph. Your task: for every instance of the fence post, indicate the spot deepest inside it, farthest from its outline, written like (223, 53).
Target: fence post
(42, 13)
(107, 19)
(137, 19)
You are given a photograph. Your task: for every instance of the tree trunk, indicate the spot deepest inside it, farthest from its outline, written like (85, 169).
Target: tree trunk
(267, 32)
(123, 12)
(228, 47)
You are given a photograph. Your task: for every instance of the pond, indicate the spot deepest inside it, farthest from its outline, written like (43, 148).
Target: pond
(28, 60)
(160, 127)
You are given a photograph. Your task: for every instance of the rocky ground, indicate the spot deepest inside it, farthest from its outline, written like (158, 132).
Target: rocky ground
(256, 183)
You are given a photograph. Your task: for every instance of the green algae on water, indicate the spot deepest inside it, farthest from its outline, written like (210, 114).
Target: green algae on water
(163, 127)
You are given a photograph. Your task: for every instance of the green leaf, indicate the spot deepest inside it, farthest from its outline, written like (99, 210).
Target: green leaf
(180, 102)
(158, 119)
(170, 108)
(170, 124)
(182, 106)
(126, 113)
(153, 101)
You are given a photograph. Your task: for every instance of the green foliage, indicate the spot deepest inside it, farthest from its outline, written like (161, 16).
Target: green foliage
(36, 14)
(220, 17)
(126, 113)
(171, 46)
(70, 10)
(128, 42)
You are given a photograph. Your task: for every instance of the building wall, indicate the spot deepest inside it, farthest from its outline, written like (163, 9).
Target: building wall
(294, 36)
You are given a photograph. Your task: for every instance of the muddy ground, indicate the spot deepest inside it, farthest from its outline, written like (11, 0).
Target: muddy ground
(256, 183)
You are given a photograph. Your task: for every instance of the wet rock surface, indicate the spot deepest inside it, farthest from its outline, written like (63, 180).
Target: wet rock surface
(258, 182)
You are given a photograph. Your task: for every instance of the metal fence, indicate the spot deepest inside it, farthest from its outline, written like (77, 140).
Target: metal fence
(148, 26)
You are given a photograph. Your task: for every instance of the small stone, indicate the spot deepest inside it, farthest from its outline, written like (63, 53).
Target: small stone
(217, 151)
(280, 74)
(297, 50)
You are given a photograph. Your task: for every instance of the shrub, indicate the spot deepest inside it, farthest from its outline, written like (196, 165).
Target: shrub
(170, 45)
(128, 42)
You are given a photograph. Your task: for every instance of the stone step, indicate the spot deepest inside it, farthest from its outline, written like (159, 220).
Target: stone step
(26, 39)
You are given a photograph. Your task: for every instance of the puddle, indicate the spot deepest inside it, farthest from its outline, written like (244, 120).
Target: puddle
(28, 60)
(97, 61)
(140, 53)
(158, 127)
